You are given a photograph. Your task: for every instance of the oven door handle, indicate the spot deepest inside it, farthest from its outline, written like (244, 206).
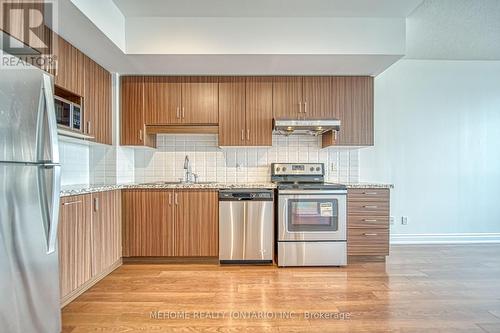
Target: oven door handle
(311, 192)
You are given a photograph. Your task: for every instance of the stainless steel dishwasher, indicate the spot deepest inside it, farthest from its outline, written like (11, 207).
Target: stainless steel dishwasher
(246, 226)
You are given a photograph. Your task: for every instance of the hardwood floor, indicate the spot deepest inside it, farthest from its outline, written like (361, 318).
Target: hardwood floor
(419, 289)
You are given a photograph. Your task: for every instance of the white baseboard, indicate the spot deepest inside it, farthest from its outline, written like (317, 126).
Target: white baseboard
(450, 238)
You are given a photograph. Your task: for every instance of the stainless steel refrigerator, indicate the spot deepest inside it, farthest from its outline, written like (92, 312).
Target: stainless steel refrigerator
(29, 202)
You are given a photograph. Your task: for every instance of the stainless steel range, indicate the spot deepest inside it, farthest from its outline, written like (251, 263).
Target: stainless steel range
(311, 216)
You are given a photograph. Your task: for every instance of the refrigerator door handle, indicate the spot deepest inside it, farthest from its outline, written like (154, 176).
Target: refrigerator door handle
(50, 209)
(51, 119)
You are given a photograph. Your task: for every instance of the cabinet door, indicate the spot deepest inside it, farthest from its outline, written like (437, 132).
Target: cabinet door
(232, 112)
(132, 128)
(196, 223)
(148, 222)
(259, 111)
(70, 65)
(356, 111)
(162, 100)
(287, 97)
(106, 230)
(320, 97)
(97, 102)
(75, 245)
(200, 101)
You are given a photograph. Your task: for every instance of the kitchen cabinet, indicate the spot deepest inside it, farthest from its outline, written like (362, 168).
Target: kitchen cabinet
(368, 222)
(170, 223)
(69, 71)
(287, 97)
(106, 230)
(132, 127)
(97, 102)
(245, 111)
(89, 238)
(75, 243)
(171, 100)
(355, 105)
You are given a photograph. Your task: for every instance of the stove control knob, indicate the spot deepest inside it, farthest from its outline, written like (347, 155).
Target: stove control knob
(278, 169)
(284, 169)
(312, 169)
(318, 168)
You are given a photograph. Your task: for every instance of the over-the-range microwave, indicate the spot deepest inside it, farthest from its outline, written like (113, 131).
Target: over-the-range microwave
(68, 114)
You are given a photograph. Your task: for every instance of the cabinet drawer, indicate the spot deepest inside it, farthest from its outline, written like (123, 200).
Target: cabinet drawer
(368, 208)
(368, 242)
(367, 194)
(357, 221)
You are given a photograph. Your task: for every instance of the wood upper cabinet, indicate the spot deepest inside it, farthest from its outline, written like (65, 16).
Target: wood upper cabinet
(196, 223)
(287, 97)
(245, 111)
(69, 72)
(75, 243)
(232, 126)
(162, 99)
(170, 223)
(171, 100)
(97, 102)
(259, 111)
(132, 127)
(320, 97)
(355, 105)
(200, 97)
(106, 230)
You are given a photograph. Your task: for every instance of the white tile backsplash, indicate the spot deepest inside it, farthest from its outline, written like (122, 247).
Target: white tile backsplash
(75, 167)
(242, 164)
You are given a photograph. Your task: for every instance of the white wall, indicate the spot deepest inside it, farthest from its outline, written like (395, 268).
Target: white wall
(437, 139)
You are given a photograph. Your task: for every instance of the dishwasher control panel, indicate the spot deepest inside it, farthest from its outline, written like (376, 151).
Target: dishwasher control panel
(239, 195)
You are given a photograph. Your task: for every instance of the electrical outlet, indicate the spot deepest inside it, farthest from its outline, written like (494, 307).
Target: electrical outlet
(404, 220)
(333, 167)
(391, 220)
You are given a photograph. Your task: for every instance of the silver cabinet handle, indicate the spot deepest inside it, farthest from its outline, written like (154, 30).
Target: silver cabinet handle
(248, 135)
(183, 113)
(242, 134)
(300, 107)
(88, 127)
(96, 204)
(369, 234)
(72, 203)
(369, 220)
(176, 196)
(305, 107)
(177, 113)
(170, 199)
(140, 135)
(370, 193)
(369, 206)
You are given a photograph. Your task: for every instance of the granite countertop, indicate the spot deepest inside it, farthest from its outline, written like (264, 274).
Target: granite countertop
(69, 190)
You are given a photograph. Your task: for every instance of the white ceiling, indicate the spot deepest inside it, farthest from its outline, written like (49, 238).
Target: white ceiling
(454, 30)
(266, 8)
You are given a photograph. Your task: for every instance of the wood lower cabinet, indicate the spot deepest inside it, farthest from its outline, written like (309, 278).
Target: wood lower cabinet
(245, 111)
(196, 224)
(368, 222)
(106, 230)
(161, 223)
(89, 238)
(97, 102)
(75, 243)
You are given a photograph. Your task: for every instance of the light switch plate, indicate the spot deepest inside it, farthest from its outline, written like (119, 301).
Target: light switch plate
(404, 220)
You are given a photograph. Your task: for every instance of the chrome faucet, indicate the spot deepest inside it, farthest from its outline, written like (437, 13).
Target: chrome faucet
(188, 175)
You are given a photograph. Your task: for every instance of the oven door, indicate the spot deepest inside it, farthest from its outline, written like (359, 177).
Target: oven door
(312, 215)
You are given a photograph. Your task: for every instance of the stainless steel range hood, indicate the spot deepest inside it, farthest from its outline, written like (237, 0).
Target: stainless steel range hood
(305, 127)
